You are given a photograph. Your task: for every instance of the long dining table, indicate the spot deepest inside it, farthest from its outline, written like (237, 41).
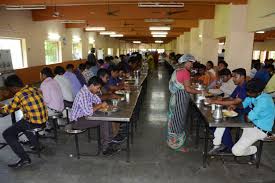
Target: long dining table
(128, 111)
(204, 117)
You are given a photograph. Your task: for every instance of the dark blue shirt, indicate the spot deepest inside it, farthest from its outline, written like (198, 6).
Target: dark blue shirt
(263, 75)
(113, 81)
(240, 92)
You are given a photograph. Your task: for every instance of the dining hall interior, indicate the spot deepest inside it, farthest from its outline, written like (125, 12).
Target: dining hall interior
(137, 91)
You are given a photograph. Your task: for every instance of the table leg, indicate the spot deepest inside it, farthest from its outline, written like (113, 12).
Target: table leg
(77, 146)
(205, 151)
(128, 143)
(13, 118)
(132, 130)
(197, 132)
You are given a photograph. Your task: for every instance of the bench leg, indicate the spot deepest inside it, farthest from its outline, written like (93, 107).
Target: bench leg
(89, 135)
(55, 129)
(197, 132)
(39, 147)
(76, 146)
(98, 141)
(259, 154)
(205, 150)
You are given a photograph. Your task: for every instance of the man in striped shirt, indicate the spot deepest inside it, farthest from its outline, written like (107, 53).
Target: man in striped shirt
(85, 104)
(30, 101)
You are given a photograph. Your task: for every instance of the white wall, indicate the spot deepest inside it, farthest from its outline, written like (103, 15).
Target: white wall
(266, 45)
(19, 24)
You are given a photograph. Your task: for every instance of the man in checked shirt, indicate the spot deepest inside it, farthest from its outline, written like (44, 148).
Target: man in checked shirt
(30, 101)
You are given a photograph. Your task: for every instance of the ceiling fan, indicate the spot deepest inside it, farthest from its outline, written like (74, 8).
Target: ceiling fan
(170, 12)
(127, 24)
(268, 15)
(111, 12)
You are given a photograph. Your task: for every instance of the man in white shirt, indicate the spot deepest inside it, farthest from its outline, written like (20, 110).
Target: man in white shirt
(64, 84)
(227, 86)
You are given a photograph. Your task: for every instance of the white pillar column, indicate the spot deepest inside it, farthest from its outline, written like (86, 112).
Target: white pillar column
(239, 42)
(186, 43)
(195, 43)
(209, 45)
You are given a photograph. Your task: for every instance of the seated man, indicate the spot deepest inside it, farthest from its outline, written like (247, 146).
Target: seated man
(79, 75)
(114, 82)
(65, 85)
(69, 74)
(85, 104)
(204, 77)
(106, 93)
(236, 98)
(262, 116)
(264, 73)
(227, 85)
(51, 91)
(30, 101)
(210, 68)
(87, 73)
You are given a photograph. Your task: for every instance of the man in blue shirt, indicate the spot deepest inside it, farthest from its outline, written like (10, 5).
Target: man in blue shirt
(262, 116)
(222, 136)
(114, 82)
(264, 73)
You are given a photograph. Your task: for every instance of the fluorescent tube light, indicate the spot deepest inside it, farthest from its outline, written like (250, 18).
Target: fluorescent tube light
(73, 21)
(159, 41)
(53, 36)
(107, 33)
(156, 20)
(159, 33)
(116, 35)
(95, 28)
(136, 42)
(26, 7)
(160, 5)
(260, 32)
(221, 43)
(159, 28)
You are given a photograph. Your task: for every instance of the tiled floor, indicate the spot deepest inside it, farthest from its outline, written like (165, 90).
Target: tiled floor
(151, 160)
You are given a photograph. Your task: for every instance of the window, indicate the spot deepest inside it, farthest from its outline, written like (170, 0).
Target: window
(160, 50)
(100, 53)
(16, 50)
(110, 51)
(263, 56)
(77, 50)
(256, 54)
(271, 55)
(52, 52)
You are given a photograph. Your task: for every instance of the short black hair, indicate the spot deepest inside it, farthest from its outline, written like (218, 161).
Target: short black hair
(59, 70)
(100, 61)
(113, 68)
(211, 63)
(202, 66)
(70, 66)
(95, 81)
(240, 71)
(257, 65)
(225, 72)
(89, 64)
(255, 86)
(82, 66)
(47, 72)
(224, 63)
(102, 72)
(13, 81)
(269, 66)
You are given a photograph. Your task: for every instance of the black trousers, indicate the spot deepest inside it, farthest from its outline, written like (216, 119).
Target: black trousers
(11, 137)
